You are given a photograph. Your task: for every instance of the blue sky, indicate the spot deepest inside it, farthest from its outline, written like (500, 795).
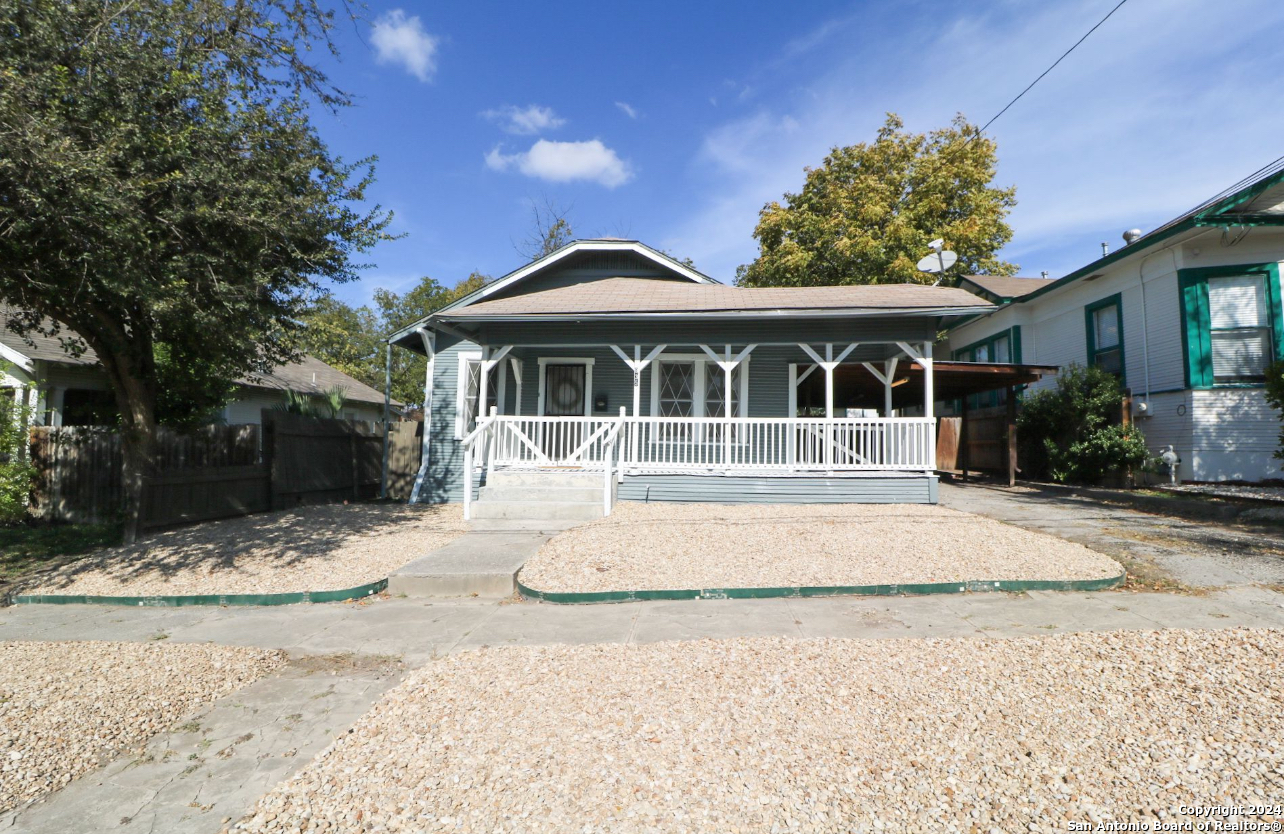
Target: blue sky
(674, 123)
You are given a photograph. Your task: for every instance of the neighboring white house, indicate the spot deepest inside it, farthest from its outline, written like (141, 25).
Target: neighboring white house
(65, 390)
(1188, 315)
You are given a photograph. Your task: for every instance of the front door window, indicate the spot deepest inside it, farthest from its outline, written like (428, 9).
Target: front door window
(564, 390)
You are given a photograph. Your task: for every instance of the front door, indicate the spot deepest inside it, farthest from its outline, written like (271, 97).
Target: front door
(563, 397)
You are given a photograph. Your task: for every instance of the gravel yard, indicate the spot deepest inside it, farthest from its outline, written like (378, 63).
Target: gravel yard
(687, 546)
(66, 708)
(769, 734)
(321, 548)
(1259, 491)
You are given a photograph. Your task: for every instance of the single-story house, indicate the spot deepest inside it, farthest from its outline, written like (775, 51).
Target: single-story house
(1187, 315)
(66, 390)
(609, 357)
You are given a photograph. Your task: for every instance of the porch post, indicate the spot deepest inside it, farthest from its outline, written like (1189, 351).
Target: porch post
(929, 383)
(430, 349)
(387, 417)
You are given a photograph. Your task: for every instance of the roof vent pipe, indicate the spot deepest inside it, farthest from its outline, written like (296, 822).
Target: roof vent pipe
(1044, 274)
(1130, 236)
(1105, 248)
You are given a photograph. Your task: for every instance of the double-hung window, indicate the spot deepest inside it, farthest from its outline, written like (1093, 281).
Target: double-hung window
(467, 409)
(1239, 328)
(1105, 335)
(1231, 320)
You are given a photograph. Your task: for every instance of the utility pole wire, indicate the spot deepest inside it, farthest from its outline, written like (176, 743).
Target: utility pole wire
(1051, 68)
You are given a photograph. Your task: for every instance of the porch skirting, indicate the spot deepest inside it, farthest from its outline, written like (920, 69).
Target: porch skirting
(855, 488)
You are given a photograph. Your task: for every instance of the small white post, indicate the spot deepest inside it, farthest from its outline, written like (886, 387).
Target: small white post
(889, 375)
(492, 441)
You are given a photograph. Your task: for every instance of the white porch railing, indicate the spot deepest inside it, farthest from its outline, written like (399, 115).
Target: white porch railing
(739, 444)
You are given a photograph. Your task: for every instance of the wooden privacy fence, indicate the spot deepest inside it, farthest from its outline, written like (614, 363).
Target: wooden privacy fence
(221, 471)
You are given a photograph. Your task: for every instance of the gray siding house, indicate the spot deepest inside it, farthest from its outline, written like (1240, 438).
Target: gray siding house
(609, 358)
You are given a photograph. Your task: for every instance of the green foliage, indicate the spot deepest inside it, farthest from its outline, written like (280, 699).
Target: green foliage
(1072, 434)
(162, 184)
(866, 215)
(16, 473)
(1275, 396)
(327, 405)
(352, 338)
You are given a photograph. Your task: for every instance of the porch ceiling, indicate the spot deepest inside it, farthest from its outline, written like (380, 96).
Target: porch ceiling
(856, 387)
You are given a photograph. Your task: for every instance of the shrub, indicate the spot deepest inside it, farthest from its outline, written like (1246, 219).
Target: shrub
(1275, 396)
(16, 473)
(1071, 434)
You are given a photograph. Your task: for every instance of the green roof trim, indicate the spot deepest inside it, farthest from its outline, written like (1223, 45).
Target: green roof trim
(920, 588)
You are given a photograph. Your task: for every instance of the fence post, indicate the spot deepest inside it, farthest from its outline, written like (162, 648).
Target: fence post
(356, 474)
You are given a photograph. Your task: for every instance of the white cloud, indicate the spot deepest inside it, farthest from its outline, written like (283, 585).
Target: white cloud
(627, 109)
(525, 121)
(589, 161)
(402, 41)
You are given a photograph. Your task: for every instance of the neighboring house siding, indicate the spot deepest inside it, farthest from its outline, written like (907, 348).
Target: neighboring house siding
(1221, 432)
(1234, 433)
(249, 405)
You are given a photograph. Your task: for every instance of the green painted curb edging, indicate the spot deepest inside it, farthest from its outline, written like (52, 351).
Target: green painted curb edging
(971, 586)
(206, 599)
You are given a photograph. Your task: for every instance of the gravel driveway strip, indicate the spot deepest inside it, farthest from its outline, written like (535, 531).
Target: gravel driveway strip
(686, 546)
(66, 708)
(773, 734)
(322, 548)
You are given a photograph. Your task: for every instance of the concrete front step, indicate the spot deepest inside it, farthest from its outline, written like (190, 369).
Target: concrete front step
(538, 510)
(544, 479)
(575, 494)
(477, 564)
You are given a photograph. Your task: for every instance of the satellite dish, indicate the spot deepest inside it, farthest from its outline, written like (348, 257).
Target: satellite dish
(938, 261)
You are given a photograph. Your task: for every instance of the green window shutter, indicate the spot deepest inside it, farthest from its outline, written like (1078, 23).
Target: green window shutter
(1196, 324)
(1273, 304)
(1015, 347)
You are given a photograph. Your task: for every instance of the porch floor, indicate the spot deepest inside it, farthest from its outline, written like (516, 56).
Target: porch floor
(693, 546)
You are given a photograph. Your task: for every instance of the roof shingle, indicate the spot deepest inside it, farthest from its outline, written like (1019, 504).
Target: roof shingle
(642, 295)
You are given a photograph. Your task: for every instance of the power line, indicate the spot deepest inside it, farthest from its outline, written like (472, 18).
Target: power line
(1051, 68)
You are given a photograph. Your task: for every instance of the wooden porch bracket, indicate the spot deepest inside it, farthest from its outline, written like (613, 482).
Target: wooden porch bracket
(637, 365)
(827, 365)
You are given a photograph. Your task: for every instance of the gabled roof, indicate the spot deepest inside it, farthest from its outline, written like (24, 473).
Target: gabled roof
(1003, 287)
(312, 376)
(551, 259)
(616, 297)
(307, 376)
(1256, 200)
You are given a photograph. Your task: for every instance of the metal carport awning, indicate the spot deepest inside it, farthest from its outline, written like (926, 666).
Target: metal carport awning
(855, 386)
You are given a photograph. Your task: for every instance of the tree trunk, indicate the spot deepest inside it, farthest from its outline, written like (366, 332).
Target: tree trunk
(130, 365)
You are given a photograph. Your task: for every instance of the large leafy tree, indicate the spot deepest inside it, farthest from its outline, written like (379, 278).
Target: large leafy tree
(164, 196)
(352, 338)
(866, 215)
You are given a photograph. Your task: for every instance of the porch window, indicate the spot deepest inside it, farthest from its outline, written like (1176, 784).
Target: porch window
(468, 391)
(677, 389)
(715, 398)
(1239, 328)
(687, 385)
